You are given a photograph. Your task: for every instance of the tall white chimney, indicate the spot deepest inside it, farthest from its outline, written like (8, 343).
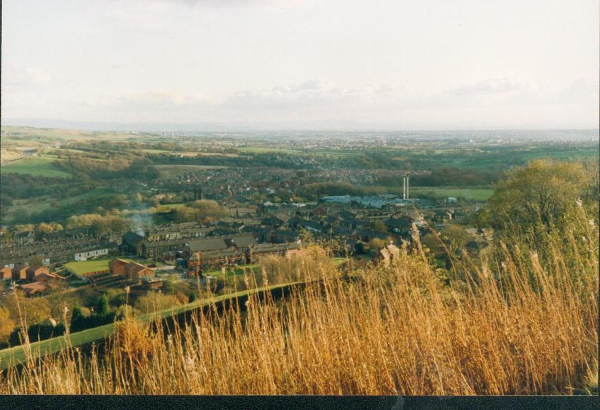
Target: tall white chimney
(403, 187)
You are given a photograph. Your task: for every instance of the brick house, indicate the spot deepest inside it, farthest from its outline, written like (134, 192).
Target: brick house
(5, 273)
(401, 226)
(47, 276)
(132, 243)
(136, 271)
(19, 272)
(31, 289)
(117, 266)
(33, 271)
(94, 252)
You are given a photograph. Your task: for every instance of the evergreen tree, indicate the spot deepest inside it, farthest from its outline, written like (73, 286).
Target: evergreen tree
(102, 308)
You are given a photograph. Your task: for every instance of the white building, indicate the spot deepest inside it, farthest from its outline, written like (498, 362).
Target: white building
(95, 253)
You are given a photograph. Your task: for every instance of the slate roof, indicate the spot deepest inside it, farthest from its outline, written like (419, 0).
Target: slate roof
(402, 222)
(242, 241)
(207, 244)
(133, 238)
(160, 244)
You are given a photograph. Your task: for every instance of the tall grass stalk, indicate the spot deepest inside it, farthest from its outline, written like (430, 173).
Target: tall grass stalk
(522, 321)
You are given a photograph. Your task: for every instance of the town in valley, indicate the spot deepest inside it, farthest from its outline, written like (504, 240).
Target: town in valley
(86, 214)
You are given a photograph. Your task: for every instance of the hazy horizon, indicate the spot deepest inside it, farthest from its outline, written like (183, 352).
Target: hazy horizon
(195, 128)
(302, 64)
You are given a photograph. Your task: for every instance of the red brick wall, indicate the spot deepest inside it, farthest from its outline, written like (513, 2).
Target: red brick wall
(19, 274)
(5, 273)
(116, 267)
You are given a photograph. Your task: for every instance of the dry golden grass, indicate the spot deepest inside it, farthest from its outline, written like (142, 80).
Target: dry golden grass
(518, 323)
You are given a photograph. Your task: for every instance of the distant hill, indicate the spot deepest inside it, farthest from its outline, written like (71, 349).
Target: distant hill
(533, 132)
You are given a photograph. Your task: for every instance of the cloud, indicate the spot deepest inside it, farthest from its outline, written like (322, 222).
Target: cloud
(312, 99)
(582, 90)
(315, 92)
(241, 3)
(319, 101)
(490, 86)
(157, 15)
(158, 99)
(16, 75)
(148, 15)
(150, 103)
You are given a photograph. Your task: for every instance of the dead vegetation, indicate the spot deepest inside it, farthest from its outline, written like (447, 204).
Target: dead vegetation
(517, 322)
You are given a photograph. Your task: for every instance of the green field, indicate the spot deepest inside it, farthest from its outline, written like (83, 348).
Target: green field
(490, 158)
(262, 150)
(19, 354)
(81, 268)
(173, 170)
(477, 194)
(96, 194)
(155, 151)
(336, 152)
(51, 135)
(41, 166)
(189, 153)
(39, 204)
(564, 155)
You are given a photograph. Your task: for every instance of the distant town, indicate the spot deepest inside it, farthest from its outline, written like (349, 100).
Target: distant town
(87, 214)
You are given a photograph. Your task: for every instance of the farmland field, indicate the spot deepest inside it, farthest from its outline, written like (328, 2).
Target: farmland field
(477, 194)
(29, 135)
(172, 170)
(41, 165)
(10, 154)
(262, 150)
(39, 204)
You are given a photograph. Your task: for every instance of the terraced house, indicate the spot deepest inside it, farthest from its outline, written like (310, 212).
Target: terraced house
(95, 252)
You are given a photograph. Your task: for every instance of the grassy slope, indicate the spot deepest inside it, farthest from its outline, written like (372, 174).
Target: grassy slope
(239, 270)
(39, 204)
(41, 166)
(18, 354)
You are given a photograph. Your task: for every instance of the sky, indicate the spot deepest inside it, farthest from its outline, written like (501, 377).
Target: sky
(304, 64)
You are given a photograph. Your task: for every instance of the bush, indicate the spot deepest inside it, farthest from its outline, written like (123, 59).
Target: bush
(37, 332)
